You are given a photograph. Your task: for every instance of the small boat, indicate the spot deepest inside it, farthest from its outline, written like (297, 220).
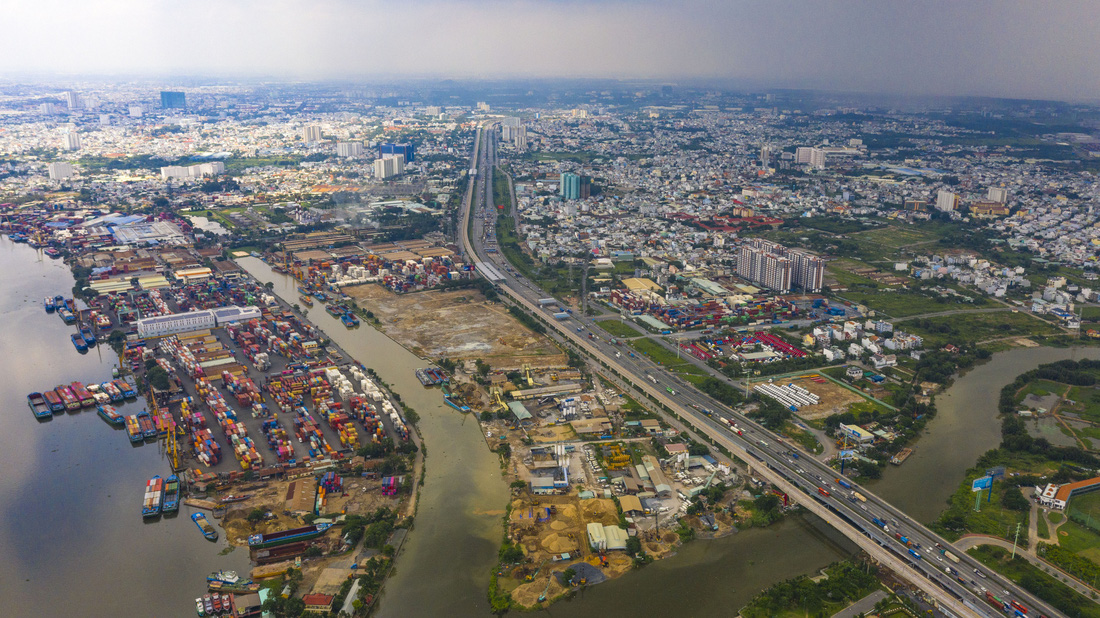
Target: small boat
(78, 343)
(231, 498)
(207, 530)
(87, 335)
(48, 304)
(229, 577)
(200, 609)
(217, 603)
(54, 401)
(321, 296)
(305, 300)
(114, 371)
(53, 253)
(109, 414)
(349, 320)
(154, 493)
(38, 405)
(208, 603)
(171, 494)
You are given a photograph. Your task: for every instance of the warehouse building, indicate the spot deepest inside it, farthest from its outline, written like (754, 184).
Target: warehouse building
(165, 325)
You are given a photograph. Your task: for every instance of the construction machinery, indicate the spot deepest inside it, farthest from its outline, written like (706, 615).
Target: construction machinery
(527, 374)
(497, 395)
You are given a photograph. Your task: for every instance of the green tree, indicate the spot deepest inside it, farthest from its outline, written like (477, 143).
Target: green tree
(158, 378)
(567, 576)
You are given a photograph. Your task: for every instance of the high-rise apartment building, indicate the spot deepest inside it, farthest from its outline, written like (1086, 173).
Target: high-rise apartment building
(406, 150)
(349, 149)
(765, 156)
(311, 134)
(72, 100)
(946, 201)
(60, 171)
(389, 166)
(47, 109)
(70, 141)
(170, 99)
(570, 186)
(817, 158)
(802, 154)
(519, 139)
(779, 268)
(997, 194)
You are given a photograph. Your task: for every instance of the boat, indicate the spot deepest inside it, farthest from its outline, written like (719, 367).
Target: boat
(67, 396)
(208, 603)
(58, 301)
(128, 391)
(78, 343)
(38, 405)
(48, 304)
(154, 493)
(349, 320)
(87, 335)
(54, 401)
(902, 455)
(82, 394)
(334, 310)
(148, 429)
(217, 603)
(422, 375)
(171, 494)
(231, 498)
(112, 391)
(52, 252)
(272, 539)
(133, 429)
(321, 296)
(227, 577)
(66, 315)
(114, 371)
(307, 301)
(200, 609)
(109, 414)
(238, 588)
(207, 530)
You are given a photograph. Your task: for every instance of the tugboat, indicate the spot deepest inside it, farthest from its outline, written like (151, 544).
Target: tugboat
(228, 577)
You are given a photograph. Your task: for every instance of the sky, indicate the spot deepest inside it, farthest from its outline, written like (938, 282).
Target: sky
(1014, 48)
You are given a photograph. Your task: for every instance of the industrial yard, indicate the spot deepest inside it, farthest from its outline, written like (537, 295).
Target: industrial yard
(832, 398)
(475, 328)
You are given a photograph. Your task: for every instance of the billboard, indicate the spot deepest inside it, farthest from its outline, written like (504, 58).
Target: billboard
(984, 482)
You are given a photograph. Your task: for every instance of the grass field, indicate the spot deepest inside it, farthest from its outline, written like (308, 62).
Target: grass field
(978, 327)
(895, 237)
(1087, 402)
(618, 329)
(655, 351)
(898, 303)
(1080, 540)
(993, 519)
(1041, 388)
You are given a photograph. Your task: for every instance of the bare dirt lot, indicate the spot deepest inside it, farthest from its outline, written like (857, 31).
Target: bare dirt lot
(834, 399)
(457, 324)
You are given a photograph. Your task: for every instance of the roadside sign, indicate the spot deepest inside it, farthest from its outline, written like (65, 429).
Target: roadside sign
(982, 483)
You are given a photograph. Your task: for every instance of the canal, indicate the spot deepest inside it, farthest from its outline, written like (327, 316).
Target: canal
(72, 539)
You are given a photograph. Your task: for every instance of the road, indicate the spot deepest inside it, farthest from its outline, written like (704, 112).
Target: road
(872, 523)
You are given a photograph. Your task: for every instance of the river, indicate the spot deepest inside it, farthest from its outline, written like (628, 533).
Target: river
(965, 427)
(72, 539)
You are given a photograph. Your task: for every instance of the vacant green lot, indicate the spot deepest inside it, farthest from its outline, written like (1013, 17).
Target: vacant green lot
(1092, 314)
(1087, 402)
(899, 303)
(1041, 388)
(895, 237)
(977, 327)
(618, 329)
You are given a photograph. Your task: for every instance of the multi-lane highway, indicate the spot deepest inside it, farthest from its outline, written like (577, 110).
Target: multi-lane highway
(958, 582)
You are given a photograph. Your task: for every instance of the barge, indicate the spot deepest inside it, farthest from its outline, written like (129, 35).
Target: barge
(902, 455)
(133, 429)
(207, 530)
(67, 396)
(82, 394)
(171, 494)
(109, 414)
(88, 336)
(273, 539)
(54, 401)
(154, 493)
(148, 429)
(38, 405)
(78, 343)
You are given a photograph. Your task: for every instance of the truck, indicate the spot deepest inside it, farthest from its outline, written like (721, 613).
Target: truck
(952, 557)
(844, 484)
(858, 496)
(878, 522)
(651, 378)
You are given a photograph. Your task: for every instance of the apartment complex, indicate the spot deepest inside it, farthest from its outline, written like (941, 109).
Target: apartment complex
(779, 268)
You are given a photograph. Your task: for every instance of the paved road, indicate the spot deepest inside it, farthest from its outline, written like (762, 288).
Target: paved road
(872, 523)
(954, 312)
(974, 540)
(862, 606)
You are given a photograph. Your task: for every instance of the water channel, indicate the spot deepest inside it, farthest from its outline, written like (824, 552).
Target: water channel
(72, 541)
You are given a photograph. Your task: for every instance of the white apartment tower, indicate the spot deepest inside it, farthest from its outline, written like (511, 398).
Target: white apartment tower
(349, 149)
(997, 194)
(389, 166)
(60, 171)
(946, 201)
(70, 141)
(311, 134)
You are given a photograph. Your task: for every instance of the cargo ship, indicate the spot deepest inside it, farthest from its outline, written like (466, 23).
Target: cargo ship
(307, 301)
(66, 315)
(207, 530)
(128, 391)
(237, 588)
(48, 305)
(87, 335)
(224, 577)
(154, 492)
(67, 396)
(82, 394)
(133, 429)
(273, 539)
(109, 414)
(52, 253)
(148, 429)
(112, 391)
(38, 405)
(54, 401)
(172, 494)
(78, 343)
(349, 320)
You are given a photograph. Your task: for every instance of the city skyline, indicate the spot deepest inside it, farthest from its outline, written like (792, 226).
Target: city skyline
(1009, 49)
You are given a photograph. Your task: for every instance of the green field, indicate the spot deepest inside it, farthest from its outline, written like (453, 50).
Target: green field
(1087, 402)
(977, 327)
(1041, 388)
(993, 519)
(895, 237)
(898, 303)
(618, 329)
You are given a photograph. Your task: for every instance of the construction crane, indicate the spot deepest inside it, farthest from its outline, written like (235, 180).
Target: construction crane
(536, 573)
(171, 445)
(542, 597)
(527, 374)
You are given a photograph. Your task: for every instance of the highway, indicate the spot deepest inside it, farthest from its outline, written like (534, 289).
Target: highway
(958, 583)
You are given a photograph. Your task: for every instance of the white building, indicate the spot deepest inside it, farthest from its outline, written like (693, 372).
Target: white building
(212, 168)
(70, 141)
(72, 100)
(312, 134)
(136, 111)
(165, 325)
(946, 201)
(817, 158)
(388, 167)
(349, 149)
(997, 194)
(60, 171)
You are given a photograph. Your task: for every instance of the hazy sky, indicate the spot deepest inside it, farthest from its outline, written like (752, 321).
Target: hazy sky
(1033, 48)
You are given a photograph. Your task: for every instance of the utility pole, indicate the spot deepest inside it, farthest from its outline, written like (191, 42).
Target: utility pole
(1015, 540)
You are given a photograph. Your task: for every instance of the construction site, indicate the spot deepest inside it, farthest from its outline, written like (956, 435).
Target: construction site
(457, 324)
(832, 398)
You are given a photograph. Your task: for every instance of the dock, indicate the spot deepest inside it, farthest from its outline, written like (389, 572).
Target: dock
(201, 504)
(902, 455)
